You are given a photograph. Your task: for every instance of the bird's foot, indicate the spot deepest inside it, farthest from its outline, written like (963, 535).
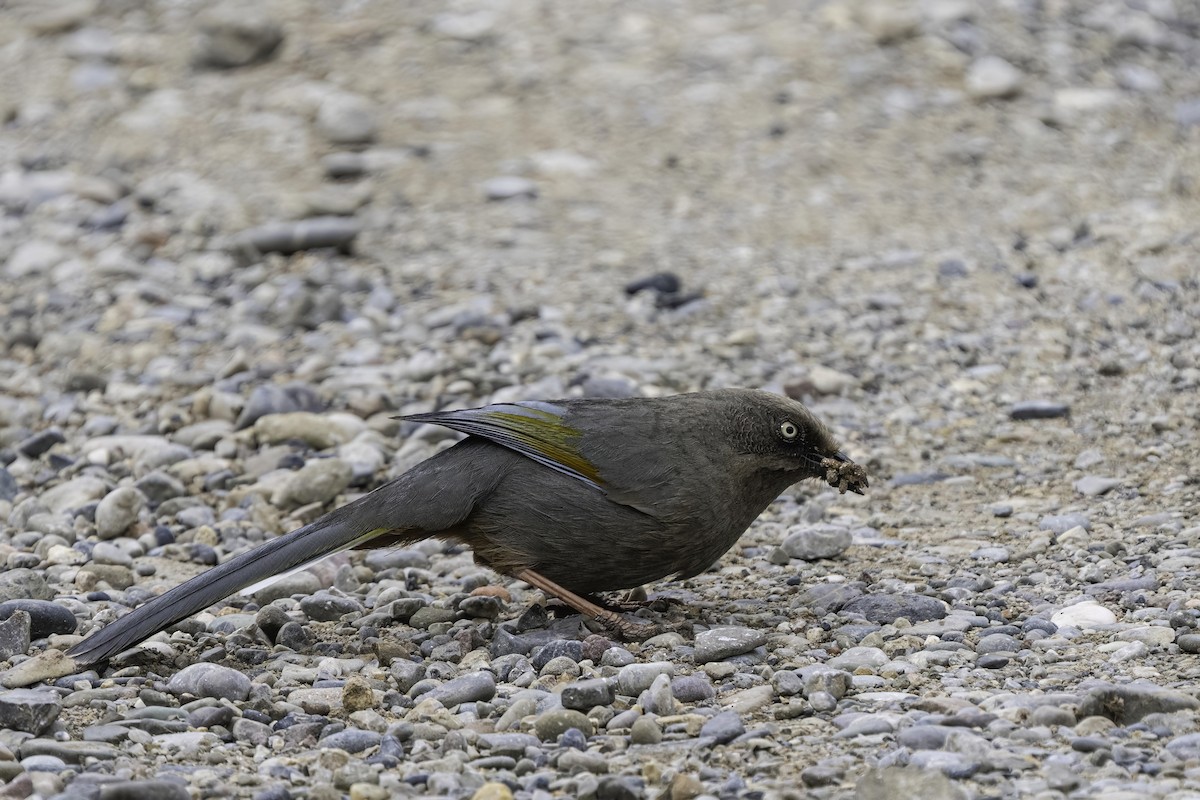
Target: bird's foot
(636, 600)
(630, 630)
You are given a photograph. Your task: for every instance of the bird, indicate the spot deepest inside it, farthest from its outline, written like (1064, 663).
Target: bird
(574, 497)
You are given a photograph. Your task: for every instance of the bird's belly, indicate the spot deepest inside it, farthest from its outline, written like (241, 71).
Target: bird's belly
(575, 536)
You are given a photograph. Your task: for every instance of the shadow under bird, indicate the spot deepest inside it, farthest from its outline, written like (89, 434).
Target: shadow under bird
(573, 497)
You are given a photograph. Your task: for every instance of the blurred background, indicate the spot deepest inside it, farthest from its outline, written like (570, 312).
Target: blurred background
(965, 233)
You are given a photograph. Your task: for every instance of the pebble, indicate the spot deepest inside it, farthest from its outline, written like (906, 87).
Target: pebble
(817, 541)
(471, 688)
(318, 481)
(1094, 485)
(307, 234)
(1086, 614)
(509, 187)
(636, 678)
(235, 36)
(884, 608)
(991, 77)
(554, 723)
(345, 118)
(1039, 409)
(724, 727)
(118, 511)
(717, 644)
(584, 695)
(28, 710)
(15, 635)
(210, 680)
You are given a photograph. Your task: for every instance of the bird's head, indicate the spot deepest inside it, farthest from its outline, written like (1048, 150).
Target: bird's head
(781, 435)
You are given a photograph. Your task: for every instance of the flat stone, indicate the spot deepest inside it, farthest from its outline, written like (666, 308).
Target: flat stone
(717, 644)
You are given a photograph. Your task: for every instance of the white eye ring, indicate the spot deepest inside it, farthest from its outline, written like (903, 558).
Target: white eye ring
(789, 431)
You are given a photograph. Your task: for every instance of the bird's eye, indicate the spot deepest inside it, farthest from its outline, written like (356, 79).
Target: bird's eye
(789, 431)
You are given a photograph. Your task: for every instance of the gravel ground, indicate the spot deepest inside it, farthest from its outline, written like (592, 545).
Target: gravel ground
(236, 241)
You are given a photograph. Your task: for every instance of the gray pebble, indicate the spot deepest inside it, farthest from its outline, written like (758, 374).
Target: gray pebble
(1094, 485)
(509, 187)
(584, 695)
(352, 740)
(717, 644)
(326, 607)
(554, 723)
(886, 608)
(1128, 703)
(658, 698)
(15, 636)
(252, 731)
(22, 583)
(274, 399)
(210, 680)
(633, 679)
(235, 35)
(345, 118)
(306, 234)
(28, 710)
(645, 730)
(724, 727)
(514, 745)
(45, 618)
(470, 688)
(298, 583)
(117, 511)
(694, 688)
(318, 481)
(1061, 523)
(818, 541)
(1039, 409)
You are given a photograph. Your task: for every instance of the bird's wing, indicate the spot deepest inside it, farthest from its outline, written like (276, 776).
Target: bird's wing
(531, 428)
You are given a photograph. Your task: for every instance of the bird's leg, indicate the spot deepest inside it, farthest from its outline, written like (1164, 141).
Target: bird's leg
(626, 629)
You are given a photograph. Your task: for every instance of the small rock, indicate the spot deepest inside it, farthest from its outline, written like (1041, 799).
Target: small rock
(471, 688)
(645, 731)
(557, 721)
(163, 789)
(236, 35)
(28, 710)
(1087, 614)
(1039, 409)
(1094, 485)
(508, 187)
(1128, 703)
(633, 679)
(991, 77)
(721, 643)
(345, 118)
(886, 608)
(724, 727)
(318, 481)
(210, 680)
(818, 541)
(585, 695)
(117, 511)
(14, 635)
(292, 237)
(45, 618)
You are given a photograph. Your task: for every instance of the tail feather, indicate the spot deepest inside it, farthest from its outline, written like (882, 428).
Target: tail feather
(339, 530)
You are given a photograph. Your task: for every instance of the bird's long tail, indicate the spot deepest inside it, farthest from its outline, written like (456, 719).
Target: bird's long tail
(344, 528)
